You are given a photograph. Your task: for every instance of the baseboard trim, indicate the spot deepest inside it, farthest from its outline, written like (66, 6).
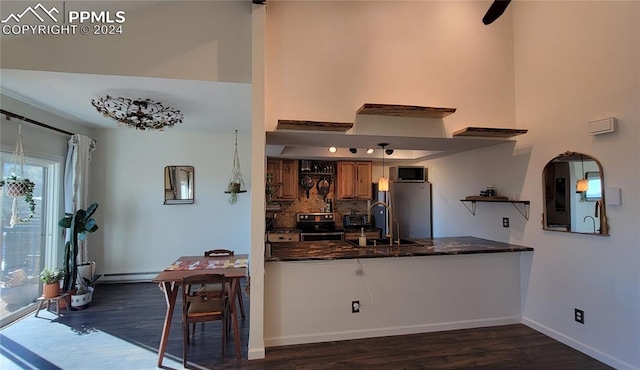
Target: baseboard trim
(388, 331)
(577, 345)
(135, 277)
(256, 353)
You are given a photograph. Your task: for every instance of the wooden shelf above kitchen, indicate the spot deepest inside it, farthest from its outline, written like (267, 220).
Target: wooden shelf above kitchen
(489, 132)
(404, 110)
(314, 125)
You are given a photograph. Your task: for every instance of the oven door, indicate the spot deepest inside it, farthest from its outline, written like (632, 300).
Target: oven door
(331, 235)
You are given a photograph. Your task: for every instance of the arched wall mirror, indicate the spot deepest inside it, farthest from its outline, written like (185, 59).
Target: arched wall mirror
(179, 184)
(573, 185)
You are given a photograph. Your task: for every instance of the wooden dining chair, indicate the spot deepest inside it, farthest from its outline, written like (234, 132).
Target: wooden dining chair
(203, 305)
(218, 253)
(226, 252)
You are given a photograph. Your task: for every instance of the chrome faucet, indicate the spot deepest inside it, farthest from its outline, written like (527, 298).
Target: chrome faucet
(388, 207)
(592, 220)
(397, 230)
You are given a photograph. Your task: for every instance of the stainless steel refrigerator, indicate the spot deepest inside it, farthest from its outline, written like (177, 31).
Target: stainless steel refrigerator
(411, 206)
(379, 213)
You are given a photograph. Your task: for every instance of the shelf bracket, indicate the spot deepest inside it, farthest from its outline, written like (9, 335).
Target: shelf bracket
(471, 209)
(524, 211)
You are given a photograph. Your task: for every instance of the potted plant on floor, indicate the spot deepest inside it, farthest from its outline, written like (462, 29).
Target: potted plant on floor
(51, 279)
(80, 223)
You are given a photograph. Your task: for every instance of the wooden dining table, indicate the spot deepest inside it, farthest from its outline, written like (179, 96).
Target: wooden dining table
(170, 280)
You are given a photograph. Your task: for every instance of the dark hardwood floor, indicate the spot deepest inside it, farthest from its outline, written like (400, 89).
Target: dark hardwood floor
(122, 327)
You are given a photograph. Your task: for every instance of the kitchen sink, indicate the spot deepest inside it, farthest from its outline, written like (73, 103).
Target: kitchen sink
(382, 242)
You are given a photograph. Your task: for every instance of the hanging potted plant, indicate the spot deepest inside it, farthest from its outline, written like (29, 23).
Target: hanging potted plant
(234, 188)
(19, 186)
(236, 183)
(51, 279)
(80, 223)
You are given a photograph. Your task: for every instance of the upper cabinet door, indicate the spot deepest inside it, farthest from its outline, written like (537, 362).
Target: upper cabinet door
(282, 178)
(274, 177)
(363, 186)
(346, 180)
(289, 179)
(354, 180)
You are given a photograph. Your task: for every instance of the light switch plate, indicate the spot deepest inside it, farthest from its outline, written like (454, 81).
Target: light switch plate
(613, 196)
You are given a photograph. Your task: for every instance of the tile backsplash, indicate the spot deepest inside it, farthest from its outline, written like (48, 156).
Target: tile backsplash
(316, 203)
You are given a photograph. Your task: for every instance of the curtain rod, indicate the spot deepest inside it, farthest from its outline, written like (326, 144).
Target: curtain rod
(29, 120)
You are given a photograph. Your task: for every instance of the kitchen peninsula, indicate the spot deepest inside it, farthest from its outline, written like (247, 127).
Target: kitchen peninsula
(332, 250)
(426, 285)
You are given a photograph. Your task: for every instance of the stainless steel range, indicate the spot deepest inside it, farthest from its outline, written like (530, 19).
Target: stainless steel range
(318, 226)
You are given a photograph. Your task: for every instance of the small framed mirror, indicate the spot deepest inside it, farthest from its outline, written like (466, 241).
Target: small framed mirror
(179, 184)
(573, 186)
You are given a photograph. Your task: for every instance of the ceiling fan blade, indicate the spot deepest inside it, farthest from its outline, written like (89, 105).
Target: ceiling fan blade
(495, 11)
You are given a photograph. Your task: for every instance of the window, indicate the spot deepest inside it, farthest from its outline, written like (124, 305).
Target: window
(594, 192)
(26, 248)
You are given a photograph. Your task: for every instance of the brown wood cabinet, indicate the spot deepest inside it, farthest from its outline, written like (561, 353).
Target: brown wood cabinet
(282, 178)
(354, 180)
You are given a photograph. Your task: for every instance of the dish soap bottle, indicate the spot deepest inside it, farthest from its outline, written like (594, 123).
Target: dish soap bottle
(362, 240)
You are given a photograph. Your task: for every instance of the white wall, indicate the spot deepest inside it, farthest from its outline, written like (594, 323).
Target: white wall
(325, 59)
(310, 301)
(39, 142)
(194, 40)
(138, 233)
(202, 40)
(557, 66)
(578, 62)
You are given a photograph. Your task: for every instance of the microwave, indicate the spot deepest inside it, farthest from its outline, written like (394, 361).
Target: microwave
(407, 174)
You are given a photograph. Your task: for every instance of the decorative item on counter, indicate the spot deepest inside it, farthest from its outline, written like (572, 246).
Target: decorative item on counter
(362, 239)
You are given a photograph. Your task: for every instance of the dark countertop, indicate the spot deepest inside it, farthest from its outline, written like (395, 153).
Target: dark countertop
(334, 250)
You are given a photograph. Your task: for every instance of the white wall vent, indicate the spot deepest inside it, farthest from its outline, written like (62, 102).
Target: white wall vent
(602, 126)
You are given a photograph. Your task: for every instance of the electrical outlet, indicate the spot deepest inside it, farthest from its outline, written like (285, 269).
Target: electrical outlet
(579, 316)
(505, 222)
(355, 306)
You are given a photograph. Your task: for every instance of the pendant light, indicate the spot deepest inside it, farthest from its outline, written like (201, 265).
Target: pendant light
(383, 182)
(583, 184)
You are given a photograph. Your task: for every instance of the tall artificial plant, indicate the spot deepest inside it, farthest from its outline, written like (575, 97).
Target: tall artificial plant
(80, 223)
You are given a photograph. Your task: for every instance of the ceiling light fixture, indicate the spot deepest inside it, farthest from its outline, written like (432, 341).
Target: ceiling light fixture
(383, 182)
(333, 149)
(370, 150)
(353, 150)
(141, 114)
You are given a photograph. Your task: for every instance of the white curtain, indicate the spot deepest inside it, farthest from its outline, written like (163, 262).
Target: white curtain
(76, 179)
